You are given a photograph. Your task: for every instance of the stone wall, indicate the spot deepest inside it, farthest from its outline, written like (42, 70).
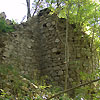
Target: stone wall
(52, 31)
(21, 48)
(38, 44)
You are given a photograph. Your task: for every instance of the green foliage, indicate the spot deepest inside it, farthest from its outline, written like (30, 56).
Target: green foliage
(65, 98)
(10, 77)
(84, 13)
(14, 22)
(4, 27)
(7, 69)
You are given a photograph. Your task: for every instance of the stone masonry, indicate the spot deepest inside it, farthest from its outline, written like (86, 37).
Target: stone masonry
(38, 44)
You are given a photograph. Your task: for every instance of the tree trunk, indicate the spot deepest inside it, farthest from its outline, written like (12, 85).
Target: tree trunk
(66, 52)
(28, 9)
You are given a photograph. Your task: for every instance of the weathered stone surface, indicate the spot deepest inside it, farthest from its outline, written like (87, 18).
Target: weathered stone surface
(51, 28)
(48, 24)
(56, 78)
(54, 50)
(53, 22)
(57, 40)
(40, 44)
(3, 15)
(8, 21)
(6, 54)
(60, 72)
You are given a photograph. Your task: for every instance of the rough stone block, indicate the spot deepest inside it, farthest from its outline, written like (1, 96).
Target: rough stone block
(54, 50)
(60, 72)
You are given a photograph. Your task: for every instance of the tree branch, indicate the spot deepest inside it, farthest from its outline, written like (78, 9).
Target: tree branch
(36, 7)
(73, 88)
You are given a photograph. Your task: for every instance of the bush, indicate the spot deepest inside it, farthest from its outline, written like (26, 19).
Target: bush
(4, 27)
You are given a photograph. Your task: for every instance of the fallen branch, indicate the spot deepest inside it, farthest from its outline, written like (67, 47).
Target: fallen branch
(73, 88)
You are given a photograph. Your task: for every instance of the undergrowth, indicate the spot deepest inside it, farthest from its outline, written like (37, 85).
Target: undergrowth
(14, 86)
(4, 27)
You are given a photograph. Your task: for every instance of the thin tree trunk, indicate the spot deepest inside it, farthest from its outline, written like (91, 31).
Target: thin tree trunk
(92, 44)
(66, 52)
(92, 57)
(28, 9)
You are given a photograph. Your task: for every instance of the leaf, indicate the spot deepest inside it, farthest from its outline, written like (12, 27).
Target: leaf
(51, 13)
(47, 1)
(95, 83)
(62, 14)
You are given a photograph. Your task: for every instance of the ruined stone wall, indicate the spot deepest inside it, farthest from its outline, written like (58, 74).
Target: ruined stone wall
(52, 31)
(21, 48)
(39, 44)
